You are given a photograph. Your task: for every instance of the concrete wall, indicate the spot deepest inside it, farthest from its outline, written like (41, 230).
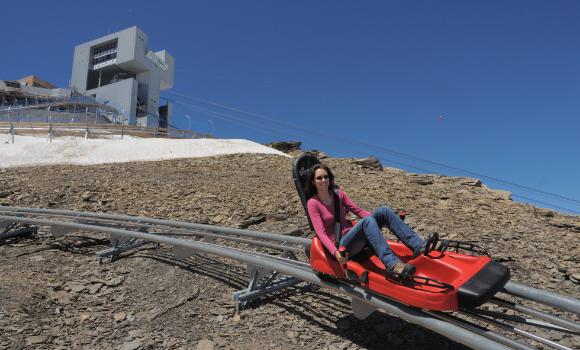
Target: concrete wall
(81, 64)
(119, 95)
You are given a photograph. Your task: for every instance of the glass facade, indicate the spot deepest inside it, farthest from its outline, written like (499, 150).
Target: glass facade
(104, 55)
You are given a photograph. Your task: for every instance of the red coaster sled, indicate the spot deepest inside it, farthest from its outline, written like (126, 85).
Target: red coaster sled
(444, 280)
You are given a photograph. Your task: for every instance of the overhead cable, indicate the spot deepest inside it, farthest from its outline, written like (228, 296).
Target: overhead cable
(277, 131)
(344, 139)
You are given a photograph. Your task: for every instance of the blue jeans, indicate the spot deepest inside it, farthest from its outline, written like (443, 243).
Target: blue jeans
(368, 229)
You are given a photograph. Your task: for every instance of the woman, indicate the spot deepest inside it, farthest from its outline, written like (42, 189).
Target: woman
(320, 194)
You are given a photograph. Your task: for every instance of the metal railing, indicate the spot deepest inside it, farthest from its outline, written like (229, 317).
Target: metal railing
(58, 109)
(90, 130)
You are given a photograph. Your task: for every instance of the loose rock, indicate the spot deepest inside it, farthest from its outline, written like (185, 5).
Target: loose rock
(36, 339)
(132, 345)
(204, 344)
(120, 316)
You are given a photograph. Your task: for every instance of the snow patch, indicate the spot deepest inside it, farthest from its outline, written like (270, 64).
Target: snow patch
(32, 151)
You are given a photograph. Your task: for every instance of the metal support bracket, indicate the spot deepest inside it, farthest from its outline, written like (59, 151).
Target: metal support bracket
(360, 309)
(59, 230)
(263, 281)
(182, 252)
(4, 225)
(121, 244)
(10, 230)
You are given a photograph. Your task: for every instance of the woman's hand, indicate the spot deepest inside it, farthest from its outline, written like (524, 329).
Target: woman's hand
(341, 259)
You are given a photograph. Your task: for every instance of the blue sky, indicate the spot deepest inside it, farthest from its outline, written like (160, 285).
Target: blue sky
(490, 87)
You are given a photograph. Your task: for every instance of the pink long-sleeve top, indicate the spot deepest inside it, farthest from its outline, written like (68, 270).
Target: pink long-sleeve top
(322, 217)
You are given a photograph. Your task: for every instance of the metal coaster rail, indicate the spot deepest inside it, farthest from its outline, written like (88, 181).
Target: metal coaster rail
(449, 325)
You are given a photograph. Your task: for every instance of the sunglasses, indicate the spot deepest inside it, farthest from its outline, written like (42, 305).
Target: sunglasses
(319, 178)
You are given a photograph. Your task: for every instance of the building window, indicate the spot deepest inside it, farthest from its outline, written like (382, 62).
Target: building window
(104, 55)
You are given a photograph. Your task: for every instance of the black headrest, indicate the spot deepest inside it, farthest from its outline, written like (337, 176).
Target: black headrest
(300, 173)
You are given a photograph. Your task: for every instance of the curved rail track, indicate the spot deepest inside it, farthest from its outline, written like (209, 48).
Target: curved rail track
(499, 324)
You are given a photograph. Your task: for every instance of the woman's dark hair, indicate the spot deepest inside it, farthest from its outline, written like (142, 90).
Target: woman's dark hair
(309, 188)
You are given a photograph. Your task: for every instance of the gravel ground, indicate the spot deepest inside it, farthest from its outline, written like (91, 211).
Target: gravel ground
(54, 295)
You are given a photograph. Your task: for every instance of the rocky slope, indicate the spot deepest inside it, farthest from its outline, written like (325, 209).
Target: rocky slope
(53, 294)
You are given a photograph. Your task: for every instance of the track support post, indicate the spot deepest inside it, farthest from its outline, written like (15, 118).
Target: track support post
(121, 244)
(10, 230)
(263, 281)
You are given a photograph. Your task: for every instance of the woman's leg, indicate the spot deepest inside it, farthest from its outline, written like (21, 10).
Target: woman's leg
(365, 230)
(354, 240)
(386, 217)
